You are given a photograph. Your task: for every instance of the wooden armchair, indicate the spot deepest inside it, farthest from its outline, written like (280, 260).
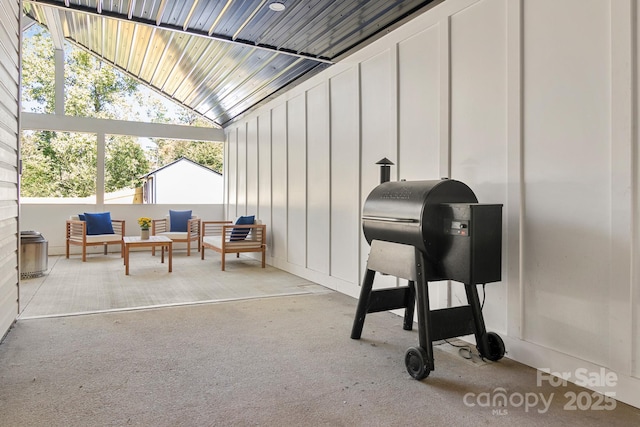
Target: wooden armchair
(221, 237)
(76, 234)
(162, 227)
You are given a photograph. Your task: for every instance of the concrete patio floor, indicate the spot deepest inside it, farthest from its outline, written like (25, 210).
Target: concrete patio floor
(72, 287)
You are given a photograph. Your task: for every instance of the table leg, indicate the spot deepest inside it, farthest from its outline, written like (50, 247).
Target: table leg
(170, 249)
(126, 260)
(162, 251)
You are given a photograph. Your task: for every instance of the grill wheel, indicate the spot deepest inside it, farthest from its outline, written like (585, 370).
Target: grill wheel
(494, 346)
(415, 359)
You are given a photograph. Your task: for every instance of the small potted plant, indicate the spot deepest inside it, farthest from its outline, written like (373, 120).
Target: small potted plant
(144, 223)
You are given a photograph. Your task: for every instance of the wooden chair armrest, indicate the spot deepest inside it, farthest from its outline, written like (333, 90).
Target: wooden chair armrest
(158, 226)
(76, 227)
(212, 228)
(193, 226)
(228, 229)
(118, 226)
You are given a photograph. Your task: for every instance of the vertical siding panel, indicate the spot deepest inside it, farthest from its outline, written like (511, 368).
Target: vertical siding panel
(264, 174)
(318, 176)
(279, 179)
(419, 102)
(378, 132)
(9, 130)
(623, 191)
(345, 176)
(252, 166)
(296, 181)
(231, 173)
(567, 236)
(480, 56)
(420, 90)
(242, 170)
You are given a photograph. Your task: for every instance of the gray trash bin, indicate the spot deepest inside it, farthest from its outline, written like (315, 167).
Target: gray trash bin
(33, 254)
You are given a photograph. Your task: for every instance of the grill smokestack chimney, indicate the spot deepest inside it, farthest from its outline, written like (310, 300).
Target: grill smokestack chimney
(385, 170)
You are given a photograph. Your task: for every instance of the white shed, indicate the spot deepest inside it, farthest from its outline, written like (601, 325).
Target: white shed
(183, 181)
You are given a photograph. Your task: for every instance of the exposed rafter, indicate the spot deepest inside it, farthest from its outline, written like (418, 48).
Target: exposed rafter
(55, 28)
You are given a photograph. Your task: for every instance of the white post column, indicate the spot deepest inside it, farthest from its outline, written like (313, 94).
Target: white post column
(100, 171)
(59, 81)
(57, 36)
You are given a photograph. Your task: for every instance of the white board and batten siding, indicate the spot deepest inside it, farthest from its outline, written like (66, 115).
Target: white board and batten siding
(9, 131)
(534, 105)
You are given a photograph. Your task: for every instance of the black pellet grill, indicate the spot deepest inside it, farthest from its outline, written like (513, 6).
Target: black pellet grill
(425, 231)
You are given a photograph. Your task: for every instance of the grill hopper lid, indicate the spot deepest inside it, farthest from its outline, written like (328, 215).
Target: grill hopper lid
(410, 212)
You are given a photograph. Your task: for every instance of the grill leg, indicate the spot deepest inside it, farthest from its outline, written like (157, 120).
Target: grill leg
(363, 304)
(419, 360)
(489, 344)
(411, 302)
(476, 311)
(424, 313)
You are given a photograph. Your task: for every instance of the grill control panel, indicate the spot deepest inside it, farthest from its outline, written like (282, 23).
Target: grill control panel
(456, 227)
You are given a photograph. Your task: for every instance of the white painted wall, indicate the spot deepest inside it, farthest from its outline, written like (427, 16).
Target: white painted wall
(533, 104)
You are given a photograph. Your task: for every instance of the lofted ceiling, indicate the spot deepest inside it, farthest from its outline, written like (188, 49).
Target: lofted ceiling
(221, 58)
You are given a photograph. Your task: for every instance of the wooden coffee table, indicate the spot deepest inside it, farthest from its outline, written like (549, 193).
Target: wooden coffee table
(152, 242)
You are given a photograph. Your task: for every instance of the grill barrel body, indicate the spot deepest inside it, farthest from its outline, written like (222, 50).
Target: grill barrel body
(408, 212)
(460, 238)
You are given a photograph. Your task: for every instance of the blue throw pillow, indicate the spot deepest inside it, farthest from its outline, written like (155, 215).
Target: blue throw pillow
(241, 233)
(98, 223)
(178, 220)
(81, 217)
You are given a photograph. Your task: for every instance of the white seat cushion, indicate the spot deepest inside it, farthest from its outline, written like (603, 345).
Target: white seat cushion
(103, 238)
(176, 235)
(217, 242)
(213, 241)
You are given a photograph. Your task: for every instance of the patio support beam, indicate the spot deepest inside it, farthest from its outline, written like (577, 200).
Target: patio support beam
(33, 121)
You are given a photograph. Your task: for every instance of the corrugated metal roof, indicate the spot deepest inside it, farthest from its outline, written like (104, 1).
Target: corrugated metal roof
(222, 58)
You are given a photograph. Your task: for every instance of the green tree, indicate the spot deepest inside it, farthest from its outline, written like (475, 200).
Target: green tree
(38, 71)
(58, 164)
(209, 154)
(38, 179)
(125, 163)
(92, 88)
